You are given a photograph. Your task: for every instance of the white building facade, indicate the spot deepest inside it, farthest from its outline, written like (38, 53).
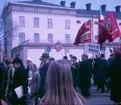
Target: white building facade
(37, 26)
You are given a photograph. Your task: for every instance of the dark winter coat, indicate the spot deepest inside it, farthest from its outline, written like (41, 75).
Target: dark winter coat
(100, 68)
(114, 74)
(43, 72)
(2, 71)
(7, 80)
(20, 79)
(75, 72)
(84, 73)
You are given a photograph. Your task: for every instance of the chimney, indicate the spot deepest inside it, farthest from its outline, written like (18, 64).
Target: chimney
(72, 4)
(62, 3)
(88, 6)
(118, 8)
(103, 7)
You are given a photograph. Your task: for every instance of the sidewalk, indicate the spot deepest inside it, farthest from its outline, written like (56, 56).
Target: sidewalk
(98, 98)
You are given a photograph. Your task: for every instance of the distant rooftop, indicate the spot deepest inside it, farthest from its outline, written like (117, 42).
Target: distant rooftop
(88, 12)
(91, 13)
(38, 2)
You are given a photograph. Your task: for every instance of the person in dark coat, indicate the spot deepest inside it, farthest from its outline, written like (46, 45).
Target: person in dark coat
(114, 73)
(43, 72)
(84, 76)
(97, 57)
(101, 72)
(19, 79)
(110, 59)
(8, 78)
(75, 69)
(90, 66)
(2, 71)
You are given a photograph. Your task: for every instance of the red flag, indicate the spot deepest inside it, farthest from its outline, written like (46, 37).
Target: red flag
(103, 34)
(108, 29)
(84, 33)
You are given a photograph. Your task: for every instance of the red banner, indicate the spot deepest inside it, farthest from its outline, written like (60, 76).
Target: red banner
(84, 33)
(108, 29)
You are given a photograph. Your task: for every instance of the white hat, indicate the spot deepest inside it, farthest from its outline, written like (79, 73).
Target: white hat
(29, 59)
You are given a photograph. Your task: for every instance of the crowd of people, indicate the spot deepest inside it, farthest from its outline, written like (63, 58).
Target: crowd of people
(56, 82)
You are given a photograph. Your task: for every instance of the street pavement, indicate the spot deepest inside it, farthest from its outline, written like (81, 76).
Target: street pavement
(97, 98)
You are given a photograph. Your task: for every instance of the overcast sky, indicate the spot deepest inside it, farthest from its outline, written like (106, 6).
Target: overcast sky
(80, 3)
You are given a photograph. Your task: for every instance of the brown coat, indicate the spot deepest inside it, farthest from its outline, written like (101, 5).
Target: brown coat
(35, 83)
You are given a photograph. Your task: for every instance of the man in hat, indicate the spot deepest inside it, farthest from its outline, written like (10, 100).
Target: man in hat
(43, 71)
(101, 72)
(19, 82)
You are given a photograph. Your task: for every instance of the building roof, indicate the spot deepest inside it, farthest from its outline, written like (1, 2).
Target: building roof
(90, 13)
(38, 2)
(79, 12)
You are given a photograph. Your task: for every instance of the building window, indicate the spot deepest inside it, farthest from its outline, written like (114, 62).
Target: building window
(21, 37)
(119, 24)
(78, 22)
(95, 22)
(96, 37)
(67, 24)
(22, 21)
(50, 23)
(36, 37)
(67, 38)
(67, 12)
(21, 8)
(36, 22)
(49, 10)
(120, 37)
(50, 37)
(36, 9)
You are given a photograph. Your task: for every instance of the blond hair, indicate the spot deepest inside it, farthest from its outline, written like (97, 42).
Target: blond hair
(59, 85)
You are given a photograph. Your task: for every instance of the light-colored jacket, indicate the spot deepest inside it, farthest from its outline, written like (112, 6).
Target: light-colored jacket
(35, 83)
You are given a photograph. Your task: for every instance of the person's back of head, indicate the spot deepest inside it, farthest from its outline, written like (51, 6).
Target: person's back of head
(59, 85)
(65, 57)
(84, 57)
(8, 60)
(17, 62)
(102, 56)
(117, 54)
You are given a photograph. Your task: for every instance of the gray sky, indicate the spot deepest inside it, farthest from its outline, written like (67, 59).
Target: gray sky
(81, 3)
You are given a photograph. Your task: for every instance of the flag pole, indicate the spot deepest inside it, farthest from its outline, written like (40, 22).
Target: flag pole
(99, 16)
(92, 35)
(92, 30)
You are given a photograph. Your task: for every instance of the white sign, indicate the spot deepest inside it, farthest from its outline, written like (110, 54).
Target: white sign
(19, 91)
(93, 48)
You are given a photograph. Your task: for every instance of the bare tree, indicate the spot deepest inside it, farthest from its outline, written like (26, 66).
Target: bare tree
(8, 29)
(5, 29)
(1, 28)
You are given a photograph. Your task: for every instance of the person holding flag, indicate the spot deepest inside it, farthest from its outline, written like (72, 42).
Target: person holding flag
(84, 35)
